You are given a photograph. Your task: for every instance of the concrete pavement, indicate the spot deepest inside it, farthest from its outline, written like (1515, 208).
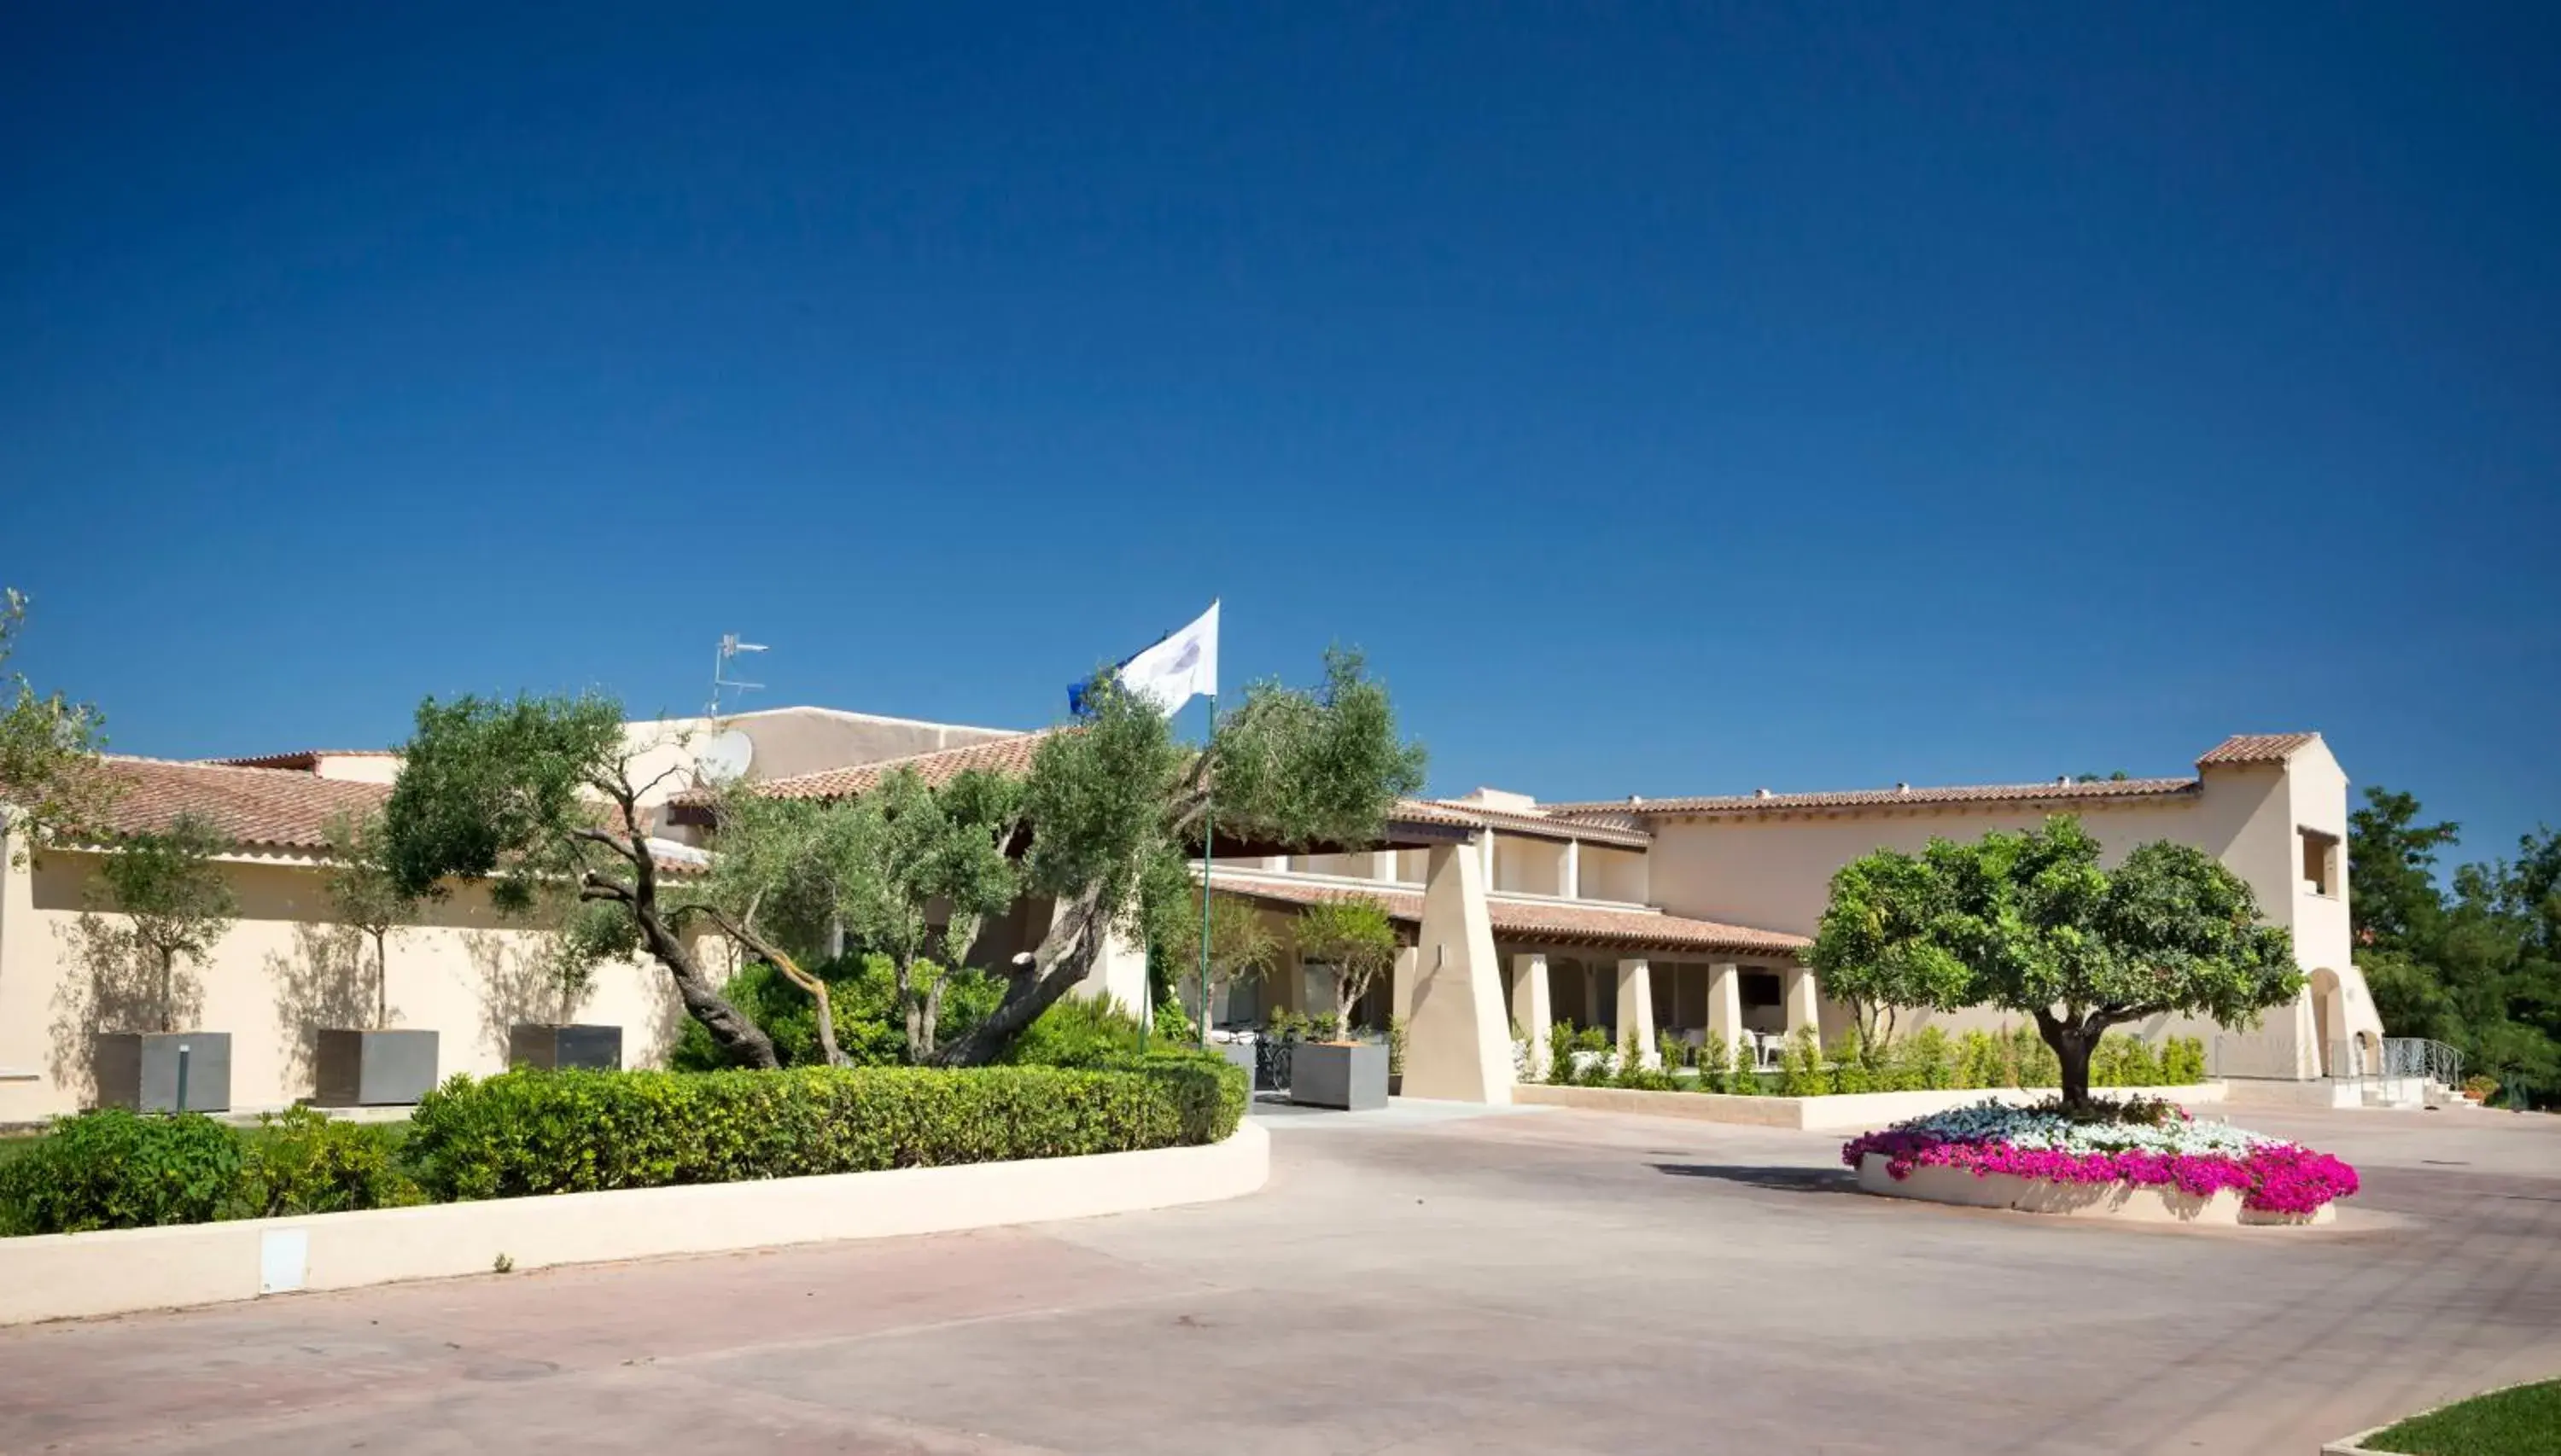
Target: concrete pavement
(1422, 1281)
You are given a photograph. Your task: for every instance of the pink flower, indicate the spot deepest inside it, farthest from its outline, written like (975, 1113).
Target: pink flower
(2273, 1178)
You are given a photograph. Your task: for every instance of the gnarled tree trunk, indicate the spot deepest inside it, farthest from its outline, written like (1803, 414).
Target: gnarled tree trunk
(1034, 983)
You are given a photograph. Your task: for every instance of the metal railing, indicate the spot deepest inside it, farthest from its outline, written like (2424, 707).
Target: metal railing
(2395, 1058)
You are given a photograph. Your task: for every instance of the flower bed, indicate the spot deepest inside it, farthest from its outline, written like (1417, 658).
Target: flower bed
(2153, 1145)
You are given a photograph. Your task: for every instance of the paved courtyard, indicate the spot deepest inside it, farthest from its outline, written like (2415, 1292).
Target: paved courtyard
(1553, 1282)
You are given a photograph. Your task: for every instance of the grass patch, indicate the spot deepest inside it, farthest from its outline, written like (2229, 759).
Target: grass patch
(2523, 1420)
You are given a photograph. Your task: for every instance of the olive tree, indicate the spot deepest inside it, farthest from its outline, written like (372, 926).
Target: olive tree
(542, 791)
(1357, 940)
(366, 897)
(540, 795)
(2030, 923)
(177, 903)
(49, 748)
(1241, 947)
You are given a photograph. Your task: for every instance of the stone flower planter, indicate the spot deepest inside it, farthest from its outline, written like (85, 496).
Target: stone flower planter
(2123, 1200)
(565, 1048)
(357, 1068)
(163, 1071)
(1347, 1075)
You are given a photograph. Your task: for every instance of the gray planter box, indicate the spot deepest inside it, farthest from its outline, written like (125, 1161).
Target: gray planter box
(140, 1070)
(562, 1049)
(373, 1069)
(1351, 1075)
(1241, 1053)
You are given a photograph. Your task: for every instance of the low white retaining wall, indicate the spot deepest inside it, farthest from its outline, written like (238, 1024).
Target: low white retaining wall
(69, 1276)
(1846, 1112)
(2126, 1200)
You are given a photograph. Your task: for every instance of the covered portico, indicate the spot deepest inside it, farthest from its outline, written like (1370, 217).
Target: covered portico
(1484, 968)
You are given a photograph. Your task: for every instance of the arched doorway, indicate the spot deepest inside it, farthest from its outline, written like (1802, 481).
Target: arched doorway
(2329, 1022)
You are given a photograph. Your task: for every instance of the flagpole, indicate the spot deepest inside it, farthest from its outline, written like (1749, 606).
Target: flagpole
(1209, 855)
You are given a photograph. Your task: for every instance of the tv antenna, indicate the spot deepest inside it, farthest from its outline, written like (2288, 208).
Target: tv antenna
(730, 648)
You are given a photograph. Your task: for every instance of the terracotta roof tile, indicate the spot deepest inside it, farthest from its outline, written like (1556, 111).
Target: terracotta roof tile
(2257, 749)
(1457, 814)
(303, 759)
(2053, 792)
(254, 808)
(1012, 756)
(1541, 920)
(273, 808)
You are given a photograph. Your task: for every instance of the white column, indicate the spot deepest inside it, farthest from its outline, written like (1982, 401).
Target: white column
(1724, 1004)
(1804, 1012)
(1400, 986)
(1457, 1045)
(1382, 866)
(1529, 1005)
(1637, 1009)
(1569, 875)
(1484, 847)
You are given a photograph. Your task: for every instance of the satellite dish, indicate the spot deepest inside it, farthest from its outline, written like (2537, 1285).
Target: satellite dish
(725, 757)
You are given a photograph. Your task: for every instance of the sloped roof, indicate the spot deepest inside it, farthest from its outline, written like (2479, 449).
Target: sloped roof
(305, 760)
(273, 809)
(1003, 756)
(269, 808)
(1540, 825)
(2257, 749)
(1541, 920)
(2052, 791)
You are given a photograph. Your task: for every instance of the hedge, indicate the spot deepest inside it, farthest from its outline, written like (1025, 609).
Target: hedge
(525, 1133)
(111, 1169)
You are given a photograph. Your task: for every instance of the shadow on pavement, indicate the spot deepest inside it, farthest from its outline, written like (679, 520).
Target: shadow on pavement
(1784, 1180)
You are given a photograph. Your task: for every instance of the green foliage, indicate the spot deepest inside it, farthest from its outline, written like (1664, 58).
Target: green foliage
(49, 748)
(871, 1026)
(2517, 1422)
(1395, 1042)
(1743, 1078)
(1801, 1069)
(2031, 923)
(1242, 946)
(175, 899)
(1560, 1052)
(491, 788)
(2478, 964)
(302, 1161)
(1083, 1032)
(364, 894)
(524, 1132)
(1353, 936)
(111, 1169)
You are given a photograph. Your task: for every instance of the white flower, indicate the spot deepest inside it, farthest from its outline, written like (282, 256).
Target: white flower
(2022, 1127)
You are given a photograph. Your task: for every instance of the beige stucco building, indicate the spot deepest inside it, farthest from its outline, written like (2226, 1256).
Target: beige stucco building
(1685, 915)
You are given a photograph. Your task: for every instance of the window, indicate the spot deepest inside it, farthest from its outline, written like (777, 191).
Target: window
(2321, 863)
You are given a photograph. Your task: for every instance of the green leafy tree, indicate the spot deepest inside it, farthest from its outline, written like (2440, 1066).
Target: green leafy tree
(2398, 903)
(1242, 947)
(171, 890)
(49, 748)
(1877, 950)
(2037, 926)
(1115, 806)
(366, 897)
(538, 796)
(541, 792)
(1355, 939)
(915, 872)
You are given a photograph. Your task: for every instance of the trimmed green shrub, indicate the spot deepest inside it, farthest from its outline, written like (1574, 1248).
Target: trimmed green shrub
(1800, 1067)
(528, 1132)
(1081, 1032)
(303, 1162)
(111, 1169)
(862, 990)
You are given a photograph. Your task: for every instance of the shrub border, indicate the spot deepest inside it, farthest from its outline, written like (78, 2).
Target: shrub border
(1831, 1112)
(55, 1276)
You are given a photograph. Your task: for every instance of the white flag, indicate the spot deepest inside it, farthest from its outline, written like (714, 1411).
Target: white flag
(1169, 672)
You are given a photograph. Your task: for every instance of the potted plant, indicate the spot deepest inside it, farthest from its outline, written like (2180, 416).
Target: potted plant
(575, 938)
(373, 1066)
(177, 905)
(1358, 942)
(1241, 947)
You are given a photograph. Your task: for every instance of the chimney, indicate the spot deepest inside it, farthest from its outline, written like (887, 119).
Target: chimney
(1760, 793)
(2066, 780)
(1901, 787)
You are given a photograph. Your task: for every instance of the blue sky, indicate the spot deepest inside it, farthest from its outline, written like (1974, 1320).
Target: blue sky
(1672, 398)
